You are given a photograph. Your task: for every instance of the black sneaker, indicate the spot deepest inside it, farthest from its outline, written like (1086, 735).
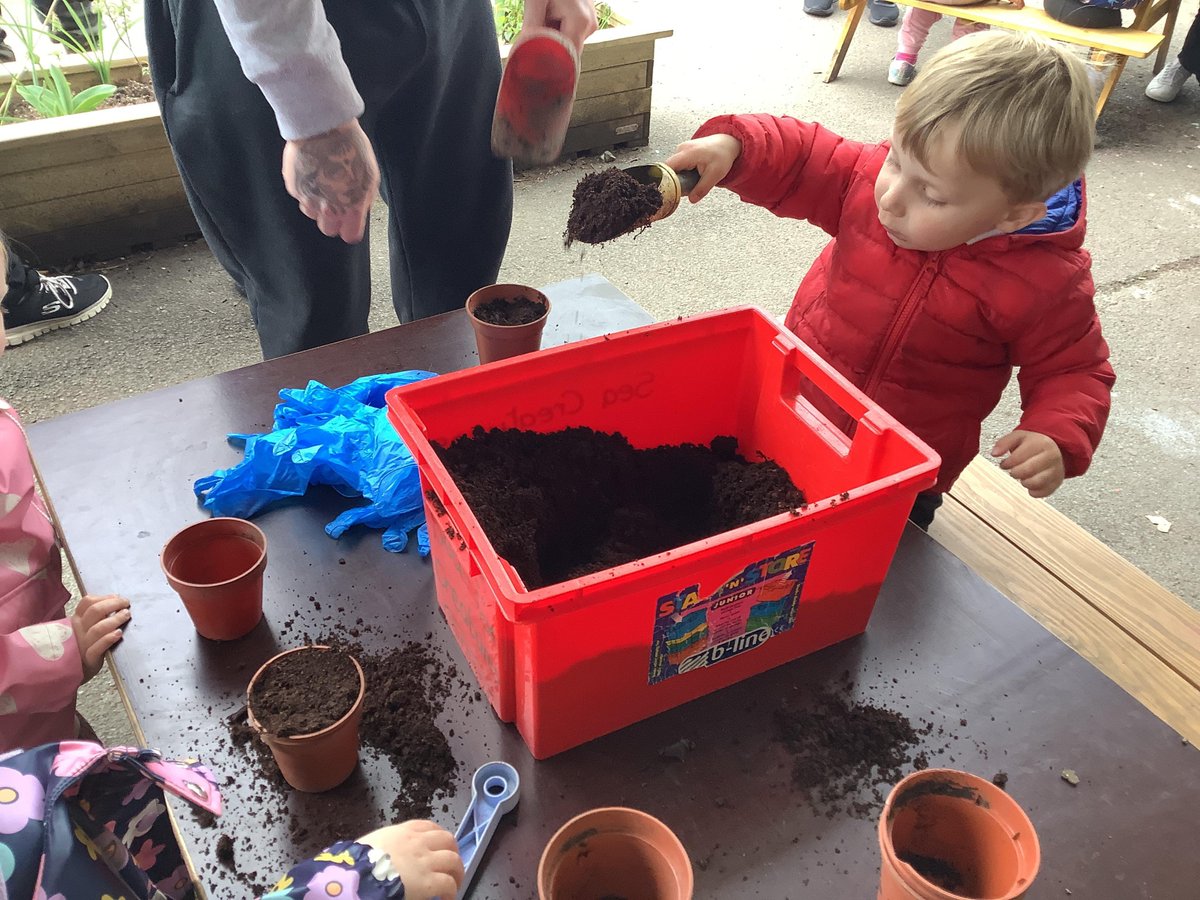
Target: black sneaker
(52, 302)
(819, 8)
(883, 13)
(6, 52)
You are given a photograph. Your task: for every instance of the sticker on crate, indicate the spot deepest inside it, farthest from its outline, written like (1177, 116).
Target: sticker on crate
(693, 632)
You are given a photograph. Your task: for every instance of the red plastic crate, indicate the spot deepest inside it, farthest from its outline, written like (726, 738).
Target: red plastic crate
(575, 660)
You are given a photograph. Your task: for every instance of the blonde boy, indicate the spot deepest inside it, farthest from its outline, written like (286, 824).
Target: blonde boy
(956, 253)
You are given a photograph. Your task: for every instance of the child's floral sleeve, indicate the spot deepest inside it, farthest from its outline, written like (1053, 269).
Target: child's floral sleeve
(795, 169)
(347, 870)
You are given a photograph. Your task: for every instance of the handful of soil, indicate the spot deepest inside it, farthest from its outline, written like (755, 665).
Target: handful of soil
(607, 204)
(515, 311)
(305, 692)
(569, 503)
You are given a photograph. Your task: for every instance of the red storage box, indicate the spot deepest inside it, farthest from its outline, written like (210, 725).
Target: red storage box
(575, 660)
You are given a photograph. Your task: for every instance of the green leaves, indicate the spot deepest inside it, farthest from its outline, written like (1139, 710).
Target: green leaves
(510, 14)
(54, 97)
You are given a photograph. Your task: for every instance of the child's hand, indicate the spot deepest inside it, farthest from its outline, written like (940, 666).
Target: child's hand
(1033, 459)
(97, 624)
(712, 156)
(425, 856)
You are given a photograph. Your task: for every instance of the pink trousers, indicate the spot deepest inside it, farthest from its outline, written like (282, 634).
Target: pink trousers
(914, 30)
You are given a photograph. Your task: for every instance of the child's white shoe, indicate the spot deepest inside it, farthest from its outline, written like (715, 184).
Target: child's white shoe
(1166, 85)
(901, 72)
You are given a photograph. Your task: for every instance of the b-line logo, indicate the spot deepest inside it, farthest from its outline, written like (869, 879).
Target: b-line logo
(726, 650)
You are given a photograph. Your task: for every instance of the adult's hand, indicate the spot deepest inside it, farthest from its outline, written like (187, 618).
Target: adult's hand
(576, 19)
(335, 178)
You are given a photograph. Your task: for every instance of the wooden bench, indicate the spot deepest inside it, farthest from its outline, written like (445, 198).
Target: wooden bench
(1130, 627)
(1108, 47)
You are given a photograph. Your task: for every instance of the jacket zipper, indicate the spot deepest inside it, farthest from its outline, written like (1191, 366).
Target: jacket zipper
(901, 323)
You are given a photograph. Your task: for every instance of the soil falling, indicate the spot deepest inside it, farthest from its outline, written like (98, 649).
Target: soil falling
(572, 502)
(608, 204)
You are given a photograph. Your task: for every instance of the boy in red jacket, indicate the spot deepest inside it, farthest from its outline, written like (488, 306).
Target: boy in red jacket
(948, 265)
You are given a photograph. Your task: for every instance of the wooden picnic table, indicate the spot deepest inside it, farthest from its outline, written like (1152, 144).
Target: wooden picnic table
(943, 647)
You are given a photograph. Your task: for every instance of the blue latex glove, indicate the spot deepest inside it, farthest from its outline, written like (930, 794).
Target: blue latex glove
(335, 436)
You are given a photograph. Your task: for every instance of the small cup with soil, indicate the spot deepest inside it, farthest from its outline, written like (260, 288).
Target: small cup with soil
(306, 704)
(615, 852)
(946, 834)
(216, 566)
(508, 320)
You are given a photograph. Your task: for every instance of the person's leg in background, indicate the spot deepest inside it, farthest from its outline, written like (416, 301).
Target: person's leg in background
(913, 34)
(79, 27)
(34, 304)
(449, 199)
(1166, 85)
(924, 509)
(304, 289)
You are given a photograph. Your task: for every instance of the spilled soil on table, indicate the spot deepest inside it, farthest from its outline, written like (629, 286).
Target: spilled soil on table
(565, 504)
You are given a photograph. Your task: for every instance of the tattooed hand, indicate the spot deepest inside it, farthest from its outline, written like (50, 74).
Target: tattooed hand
(335, 177)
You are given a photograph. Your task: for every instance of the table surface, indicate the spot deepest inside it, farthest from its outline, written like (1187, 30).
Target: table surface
(943, 647)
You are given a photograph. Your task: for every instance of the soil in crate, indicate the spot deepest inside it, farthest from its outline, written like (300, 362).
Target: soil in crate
(515, 311)
(607, 204)
(305, 692)
(561, 505)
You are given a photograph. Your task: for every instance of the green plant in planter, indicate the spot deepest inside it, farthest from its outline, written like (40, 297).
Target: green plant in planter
(54, 97)
(92, 46)
(510, 13)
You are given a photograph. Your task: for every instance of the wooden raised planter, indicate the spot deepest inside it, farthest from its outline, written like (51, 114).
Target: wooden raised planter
(97, 184)
(612, 101)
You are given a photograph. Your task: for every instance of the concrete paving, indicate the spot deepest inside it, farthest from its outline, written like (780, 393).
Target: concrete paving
(175, 315)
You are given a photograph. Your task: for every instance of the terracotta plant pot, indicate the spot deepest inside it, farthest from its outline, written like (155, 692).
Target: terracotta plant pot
(323, 759)
(502, 341)
(948, 835)
(614, 852)
(216, 566)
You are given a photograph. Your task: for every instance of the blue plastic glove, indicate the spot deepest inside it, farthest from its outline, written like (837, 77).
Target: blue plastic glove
(335, 436)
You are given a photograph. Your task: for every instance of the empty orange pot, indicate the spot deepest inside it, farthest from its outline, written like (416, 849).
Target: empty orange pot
(216, 566)
(502, 341)
(323, 759)
(614, 852)
(949, 835)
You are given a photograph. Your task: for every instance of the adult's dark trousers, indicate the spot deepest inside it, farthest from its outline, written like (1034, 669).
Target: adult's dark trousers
(428, 71)
(1189, 55)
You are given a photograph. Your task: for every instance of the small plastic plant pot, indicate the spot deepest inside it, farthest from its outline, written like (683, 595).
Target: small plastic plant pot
(321, 760)
(614, 852)
(216, 566)
(949, 835)
(503, 341)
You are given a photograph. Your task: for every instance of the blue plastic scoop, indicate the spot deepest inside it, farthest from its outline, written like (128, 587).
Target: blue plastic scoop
(495, 790)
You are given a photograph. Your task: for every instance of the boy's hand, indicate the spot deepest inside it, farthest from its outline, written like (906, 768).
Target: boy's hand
(712, 156)
(424, 854)
(1033, 459)
(97, 624)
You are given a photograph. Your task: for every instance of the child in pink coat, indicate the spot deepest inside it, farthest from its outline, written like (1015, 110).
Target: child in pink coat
(45, 655)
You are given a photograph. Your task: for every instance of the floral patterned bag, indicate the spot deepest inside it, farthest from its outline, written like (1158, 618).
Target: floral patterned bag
(82, 822)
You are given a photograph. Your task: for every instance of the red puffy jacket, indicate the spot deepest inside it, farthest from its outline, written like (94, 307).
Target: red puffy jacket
(932, 337)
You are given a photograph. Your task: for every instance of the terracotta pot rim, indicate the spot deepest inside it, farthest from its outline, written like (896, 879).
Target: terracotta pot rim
(205, 523)
(1001, 807)
(671, 844)
(538, 295)
(301, 738)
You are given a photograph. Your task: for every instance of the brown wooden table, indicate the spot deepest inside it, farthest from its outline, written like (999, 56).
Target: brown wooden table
(942, 646)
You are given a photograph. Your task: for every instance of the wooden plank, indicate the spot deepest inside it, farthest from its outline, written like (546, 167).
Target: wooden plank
(611, 106)
(81, 75)
(112, 237)
(629, 131)
(94, 206)
(53, 182)
(26, 146)
(1125, 41)
(1069, 616)
(613, 80)
(1135, 602)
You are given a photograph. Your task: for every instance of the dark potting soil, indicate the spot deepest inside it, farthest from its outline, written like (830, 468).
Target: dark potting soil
(935, 871)
(844, 749)
(515, 311)
(565, 504)
(305, 692)
(607, 204)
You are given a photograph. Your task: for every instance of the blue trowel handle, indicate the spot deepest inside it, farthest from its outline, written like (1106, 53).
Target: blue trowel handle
(494, 791)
